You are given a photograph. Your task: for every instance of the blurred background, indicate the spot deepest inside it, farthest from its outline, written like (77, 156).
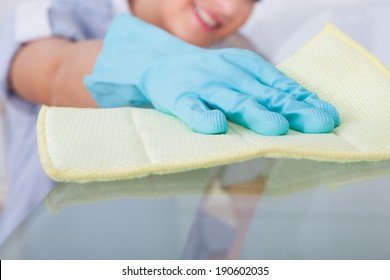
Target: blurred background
(279, 27)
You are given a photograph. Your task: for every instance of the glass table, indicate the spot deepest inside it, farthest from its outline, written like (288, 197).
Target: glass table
(260, 209)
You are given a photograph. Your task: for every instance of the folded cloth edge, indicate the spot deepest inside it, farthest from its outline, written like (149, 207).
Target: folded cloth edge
(331, 28)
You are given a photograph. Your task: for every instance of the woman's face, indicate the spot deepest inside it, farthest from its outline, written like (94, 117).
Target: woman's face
(199, 22)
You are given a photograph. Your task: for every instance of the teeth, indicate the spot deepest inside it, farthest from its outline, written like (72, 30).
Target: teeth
(206, 18)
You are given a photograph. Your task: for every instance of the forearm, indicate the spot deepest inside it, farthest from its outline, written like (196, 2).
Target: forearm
(52, 71)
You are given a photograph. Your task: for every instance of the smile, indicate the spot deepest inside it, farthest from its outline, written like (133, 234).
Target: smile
(206, 19)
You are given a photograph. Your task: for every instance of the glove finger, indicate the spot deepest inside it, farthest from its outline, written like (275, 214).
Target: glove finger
(326, 107)
(245, 111)
(302, 117)
(199, 117)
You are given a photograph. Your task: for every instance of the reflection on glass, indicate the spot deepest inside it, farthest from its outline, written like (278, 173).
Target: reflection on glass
(226, 211)
(221, 215)
(288, 176)
(281, 177)
(223, 218)
(154, 186)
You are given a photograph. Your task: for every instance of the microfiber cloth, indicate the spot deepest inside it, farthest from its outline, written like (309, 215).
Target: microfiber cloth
(83, 145)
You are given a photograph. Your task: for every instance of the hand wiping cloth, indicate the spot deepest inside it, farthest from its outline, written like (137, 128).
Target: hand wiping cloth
(143, 64)
(110, 144)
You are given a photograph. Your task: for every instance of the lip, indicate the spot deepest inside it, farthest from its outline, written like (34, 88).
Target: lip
(204, 26)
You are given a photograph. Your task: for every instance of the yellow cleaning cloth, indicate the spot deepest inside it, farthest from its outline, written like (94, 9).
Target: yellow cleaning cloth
(85, 145)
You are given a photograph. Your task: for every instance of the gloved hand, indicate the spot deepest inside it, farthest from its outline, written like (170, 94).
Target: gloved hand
(141, 63)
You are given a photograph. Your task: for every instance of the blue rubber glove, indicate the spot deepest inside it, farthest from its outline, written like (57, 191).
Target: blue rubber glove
(141, 63)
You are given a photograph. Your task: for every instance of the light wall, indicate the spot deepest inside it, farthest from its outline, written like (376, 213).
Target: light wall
(279, 27)
(7, 5)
